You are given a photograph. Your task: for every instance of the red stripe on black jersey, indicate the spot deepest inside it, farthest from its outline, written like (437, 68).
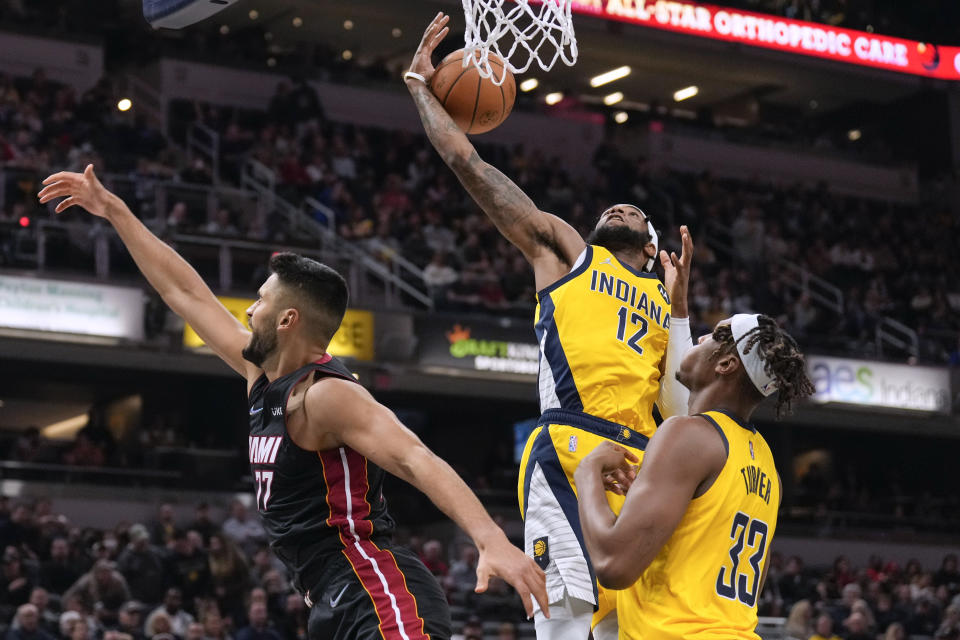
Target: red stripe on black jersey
(345, 472)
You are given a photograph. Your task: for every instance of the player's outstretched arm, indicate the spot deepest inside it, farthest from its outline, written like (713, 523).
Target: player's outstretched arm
(347, 412)
(680, 456)
(180, 286)
(674, 397)
(550, 244)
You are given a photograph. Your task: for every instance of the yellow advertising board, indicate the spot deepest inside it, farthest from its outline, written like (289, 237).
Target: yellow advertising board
(353, 340)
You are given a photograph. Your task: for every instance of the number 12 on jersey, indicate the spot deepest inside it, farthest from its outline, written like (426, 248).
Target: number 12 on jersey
(636, 320)
(731, 583)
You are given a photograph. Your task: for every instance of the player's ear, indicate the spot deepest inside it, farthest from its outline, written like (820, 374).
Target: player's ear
(727, 364)
(650, 250)
(288, 318)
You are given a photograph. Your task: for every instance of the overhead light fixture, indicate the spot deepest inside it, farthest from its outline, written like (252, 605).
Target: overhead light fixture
(553, 98)
(529, 84)
(347, 54)
(610, 76)
(620, 117)
(348, 24)
(224, 29)
(64, 429)
(298, 22)
(254, 14)
(124, 104)
(854, 135)
(396, 32)
(686, 93)
(613, 98)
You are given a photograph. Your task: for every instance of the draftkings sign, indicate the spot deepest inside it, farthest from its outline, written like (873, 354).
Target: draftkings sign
(478, 345)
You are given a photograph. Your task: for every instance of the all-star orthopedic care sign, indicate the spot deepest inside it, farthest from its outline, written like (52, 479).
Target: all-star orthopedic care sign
(71, 307)
(879, 384)
(783, 34)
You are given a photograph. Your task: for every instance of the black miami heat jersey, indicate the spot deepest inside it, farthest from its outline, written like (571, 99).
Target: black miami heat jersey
(314, 505)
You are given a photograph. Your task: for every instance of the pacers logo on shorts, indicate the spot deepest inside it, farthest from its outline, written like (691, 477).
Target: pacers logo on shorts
(541, 552)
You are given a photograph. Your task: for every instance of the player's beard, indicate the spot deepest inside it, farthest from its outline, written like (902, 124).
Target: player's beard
(619, 237)
(262, 344)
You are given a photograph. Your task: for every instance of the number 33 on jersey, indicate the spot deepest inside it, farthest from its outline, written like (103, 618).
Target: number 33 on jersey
(709, 574)
(602, 330)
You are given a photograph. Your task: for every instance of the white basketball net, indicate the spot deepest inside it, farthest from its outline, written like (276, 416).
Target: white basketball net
(520, 32)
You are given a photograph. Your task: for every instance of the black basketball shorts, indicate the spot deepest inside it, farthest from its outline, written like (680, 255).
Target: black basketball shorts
(370, 593)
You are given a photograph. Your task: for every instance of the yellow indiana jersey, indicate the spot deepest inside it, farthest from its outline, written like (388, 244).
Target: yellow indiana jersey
(705, 581)
(603, 330)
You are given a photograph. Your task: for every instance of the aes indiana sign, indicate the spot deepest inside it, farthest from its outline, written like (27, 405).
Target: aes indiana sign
(879, 384)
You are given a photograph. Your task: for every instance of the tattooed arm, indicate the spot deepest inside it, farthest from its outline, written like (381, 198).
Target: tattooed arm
(549, 243)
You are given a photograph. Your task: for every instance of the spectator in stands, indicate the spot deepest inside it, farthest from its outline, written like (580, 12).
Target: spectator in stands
(824, 629)
(950, 627)
(213, 625)
(799, 625)
(438, 276)
(472, 630)
(172, 608)
(85, 451)
(48, 619)
(229, 572)
(432, 557)
(258, 628)
(158, 626)
(507, 631)
(27, 625)
(163, 528)
(293, 622)
(895, 632)
(948, 575)
(222, 224)
(924, 619)
(17, 583)
(858, 627)
(246, 532)
(59, 572)
(187, 568)
(463, 574)
(202, 523)
(143, 566)
(102, 588)
(130, 620)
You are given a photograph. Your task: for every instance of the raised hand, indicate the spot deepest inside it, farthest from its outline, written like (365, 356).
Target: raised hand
(500, 558)
(676, 273)
(422, 60)
(81, 189)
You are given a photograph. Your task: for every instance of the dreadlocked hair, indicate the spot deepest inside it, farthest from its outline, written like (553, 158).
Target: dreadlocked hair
(781, 357)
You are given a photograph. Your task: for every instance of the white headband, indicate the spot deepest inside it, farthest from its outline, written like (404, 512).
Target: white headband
(753, 364)
(656, 244)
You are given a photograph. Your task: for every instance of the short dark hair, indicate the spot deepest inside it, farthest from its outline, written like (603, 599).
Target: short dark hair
(781, 356)
(322, 289)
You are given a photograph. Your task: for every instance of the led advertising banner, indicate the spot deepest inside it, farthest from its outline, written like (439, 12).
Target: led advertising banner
(880, 384)
(478, 345)
(59, 306)
(783, 34)
(354, 338)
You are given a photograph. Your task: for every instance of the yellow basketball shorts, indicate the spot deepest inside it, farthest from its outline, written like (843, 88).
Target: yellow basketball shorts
(548, 501)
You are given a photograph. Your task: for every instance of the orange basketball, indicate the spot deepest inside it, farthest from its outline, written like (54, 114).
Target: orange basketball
(476, 104)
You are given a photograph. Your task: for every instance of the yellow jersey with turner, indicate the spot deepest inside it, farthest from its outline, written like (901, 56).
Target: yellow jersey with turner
(705, 581)
(603, 330)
